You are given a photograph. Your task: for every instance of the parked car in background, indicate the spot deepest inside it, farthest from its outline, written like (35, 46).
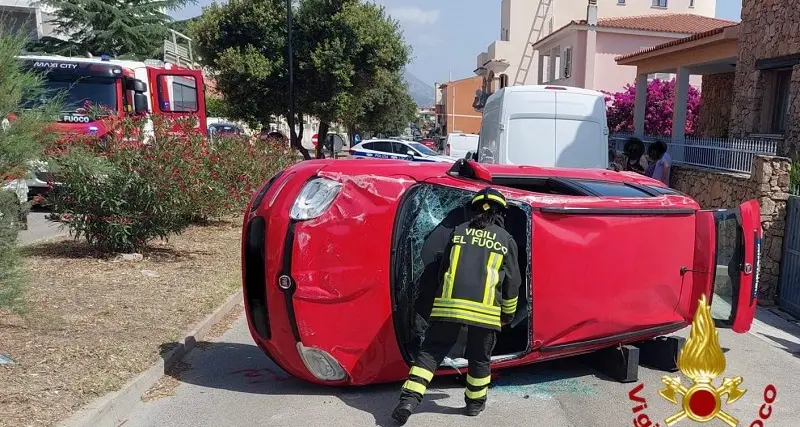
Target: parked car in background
(397, 149)
(459, 144)
(430, 143)
(354, 320)
(17, 192)
(546, 126)
(224, 129)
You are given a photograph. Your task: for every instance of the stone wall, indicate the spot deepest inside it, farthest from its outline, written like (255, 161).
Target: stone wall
(715, 111)
(768, 183)
(769, 29)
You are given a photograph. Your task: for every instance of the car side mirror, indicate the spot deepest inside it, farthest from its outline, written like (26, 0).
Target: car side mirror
(140, 103)
(410, 153)
(469, 156)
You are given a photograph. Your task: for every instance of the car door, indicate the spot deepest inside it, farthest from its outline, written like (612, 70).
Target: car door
(401, 150)
(727, 264)
(382, 150)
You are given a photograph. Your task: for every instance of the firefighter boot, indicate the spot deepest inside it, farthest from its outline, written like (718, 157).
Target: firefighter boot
(474, 409)
(403, 411)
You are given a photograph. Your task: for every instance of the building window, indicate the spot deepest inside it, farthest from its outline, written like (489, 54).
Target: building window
(691, 3)
(780, 106)
(568, 62)
(621, 2)
(659, 3)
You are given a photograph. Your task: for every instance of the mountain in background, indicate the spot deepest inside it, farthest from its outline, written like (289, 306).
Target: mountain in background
(421, 92)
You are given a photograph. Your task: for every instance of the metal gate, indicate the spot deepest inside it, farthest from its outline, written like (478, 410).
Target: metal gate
(789, 286)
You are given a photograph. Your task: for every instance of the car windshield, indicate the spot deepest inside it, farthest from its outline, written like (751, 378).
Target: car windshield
(423, 149)
(99, 91)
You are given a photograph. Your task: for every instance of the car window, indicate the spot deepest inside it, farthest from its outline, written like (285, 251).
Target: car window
(612, 189)
(399, 148)
(384, 146)
(423, 149)
(665, 190)
(367, 146)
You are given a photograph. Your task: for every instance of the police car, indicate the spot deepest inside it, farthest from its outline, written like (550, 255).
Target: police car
(397, 149)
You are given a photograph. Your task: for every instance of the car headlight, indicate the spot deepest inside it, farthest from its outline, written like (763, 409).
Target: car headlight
(315, 197)
(321, 364)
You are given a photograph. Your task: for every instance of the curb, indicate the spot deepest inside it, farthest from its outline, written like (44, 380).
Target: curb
(112, 409)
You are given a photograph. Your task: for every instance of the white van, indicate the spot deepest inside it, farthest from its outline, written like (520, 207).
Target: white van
(546, 126)
(458, 144)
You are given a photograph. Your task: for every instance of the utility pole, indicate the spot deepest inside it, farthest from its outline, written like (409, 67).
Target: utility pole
(289, 54)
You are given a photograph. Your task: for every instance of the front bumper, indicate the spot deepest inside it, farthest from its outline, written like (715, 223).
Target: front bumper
(317, 303)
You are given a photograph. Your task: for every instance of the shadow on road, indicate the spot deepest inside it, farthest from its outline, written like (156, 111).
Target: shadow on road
(245, 368)
(789, 346)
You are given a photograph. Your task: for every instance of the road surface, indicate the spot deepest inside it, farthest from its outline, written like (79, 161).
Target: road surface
(229, 382)
(39, 228)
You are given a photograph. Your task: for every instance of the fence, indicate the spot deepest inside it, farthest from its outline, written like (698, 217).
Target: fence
(729, 154)
(789, 287)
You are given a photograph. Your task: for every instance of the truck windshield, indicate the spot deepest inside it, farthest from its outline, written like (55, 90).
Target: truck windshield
(77, 92)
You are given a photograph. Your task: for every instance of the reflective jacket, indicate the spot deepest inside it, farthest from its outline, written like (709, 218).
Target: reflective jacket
(480, 278)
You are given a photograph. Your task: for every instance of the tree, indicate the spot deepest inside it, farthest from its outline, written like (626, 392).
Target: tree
(22, 135)
(344, 48)
(658, 109)
(385, 107)
(244, 42)
(133, 29)
(340, 46)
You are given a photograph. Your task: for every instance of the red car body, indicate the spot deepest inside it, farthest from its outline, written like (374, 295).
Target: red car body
(609, 258)
(430, 143)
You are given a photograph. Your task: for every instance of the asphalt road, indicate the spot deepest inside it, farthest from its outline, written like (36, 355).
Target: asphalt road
(39, 228)
(230, 383)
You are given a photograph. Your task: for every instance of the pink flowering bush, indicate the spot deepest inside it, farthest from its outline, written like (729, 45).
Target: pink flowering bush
(658, 110)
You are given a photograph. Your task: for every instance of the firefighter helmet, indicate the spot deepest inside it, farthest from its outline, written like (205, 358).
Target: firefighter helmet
(488, 195)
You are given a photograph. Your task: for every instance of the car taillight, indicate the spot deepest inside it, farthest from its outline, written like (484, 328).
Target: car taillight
(448, 149)
(351, 152)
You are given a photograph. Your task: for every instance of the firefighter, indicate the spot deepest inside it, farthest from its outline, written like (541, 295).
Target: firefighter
(479, 283)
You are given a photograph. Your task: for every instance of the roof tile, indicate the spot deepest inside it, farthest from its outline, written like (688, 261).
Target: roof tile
(667, 22)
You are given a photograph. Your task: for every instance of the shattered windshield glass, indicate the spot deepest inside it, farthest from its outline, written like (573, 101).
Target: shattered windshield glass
(431, 204)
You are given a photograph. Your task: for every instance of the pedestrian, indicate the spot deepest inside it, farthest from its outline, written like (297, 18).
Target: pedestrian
(479, 282)
(661, 162)
(632, 157)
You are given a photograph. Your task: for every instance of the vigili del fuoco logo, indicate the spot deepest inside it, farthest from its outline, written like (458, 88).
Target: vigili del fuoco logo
(702, 361)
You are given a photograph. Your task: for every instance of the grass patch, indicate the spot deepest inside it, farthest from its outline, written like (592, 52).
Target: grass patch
(92, 323)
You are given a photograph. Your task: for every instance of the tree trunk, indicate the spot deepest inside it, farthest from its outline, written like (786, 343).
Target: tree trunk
(297, 138)
(351, 135)
(322, 136)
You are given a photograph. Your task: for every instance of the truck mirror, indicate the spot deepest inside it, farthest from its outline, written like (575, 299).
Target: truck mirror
(136, 85)
(140, 103)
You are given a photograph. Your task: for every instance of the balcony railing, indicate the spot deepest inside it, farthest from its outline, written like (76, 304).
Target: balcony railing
(727, 154)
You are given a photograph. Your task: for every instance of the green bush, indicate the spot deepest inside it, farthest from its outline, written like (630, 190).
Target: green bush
(12, 283)
(22, 135)
(121, 192)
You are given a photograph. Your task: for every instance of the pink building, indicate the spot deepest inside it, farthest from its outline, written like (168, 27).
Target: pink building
(582, 53)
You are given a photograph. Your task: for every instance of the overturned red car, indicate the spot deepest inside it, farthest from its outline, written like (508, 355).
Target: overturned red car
(339, 261)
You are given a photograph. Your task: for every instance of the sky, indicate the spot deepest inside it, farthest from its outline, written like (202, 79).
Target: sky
(447, 35)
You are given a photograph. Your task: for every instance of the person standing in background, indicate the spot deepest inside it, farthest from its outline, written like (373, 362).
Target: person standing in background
(661, 162)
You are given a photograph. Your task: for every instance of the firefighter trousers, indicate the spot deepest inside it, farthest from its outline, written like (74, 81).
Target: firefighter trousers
(439, 340)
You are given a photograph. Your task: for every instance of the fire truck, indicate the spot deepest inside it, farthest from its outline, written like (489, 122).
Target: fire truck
(120, 87)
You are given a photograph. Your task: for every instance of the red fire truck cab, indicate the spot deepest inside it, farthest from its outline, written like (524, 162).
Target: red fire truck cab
(121, 87)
